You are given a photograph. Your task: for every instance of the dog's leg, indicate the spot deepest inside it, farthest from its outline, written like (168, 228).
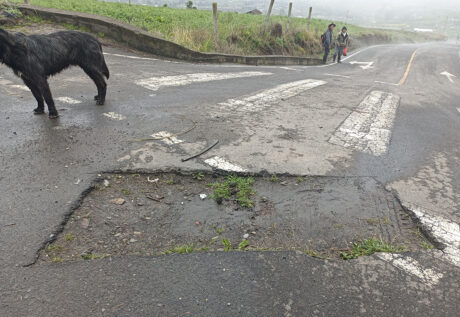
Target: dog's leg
(101, 85)
(38, 96)
(46, 92)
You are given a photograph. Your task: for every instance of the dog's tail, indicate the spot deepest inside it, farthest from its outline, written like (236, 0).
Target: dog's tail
(105, 69)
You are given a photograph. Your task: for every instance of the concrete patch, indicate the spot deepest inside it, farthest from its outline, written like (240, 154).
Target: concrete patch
(368, 127)
(159, 213)
(156, 83)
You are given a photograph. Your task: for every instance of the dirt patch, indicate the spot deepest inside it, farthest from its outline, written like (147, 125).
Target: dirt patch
(169, 213)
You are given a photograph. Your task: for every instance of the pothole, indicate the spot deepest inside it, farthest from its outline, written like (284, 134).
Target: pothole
(163, 213)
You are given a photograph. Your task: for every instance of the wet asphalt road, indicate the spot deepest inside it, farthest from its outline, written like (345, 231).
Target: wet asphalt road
(47, 165)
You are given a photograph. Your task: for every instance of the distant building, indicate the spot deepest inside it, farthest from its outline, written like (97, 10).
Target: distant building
(254, 12)
(423, 30)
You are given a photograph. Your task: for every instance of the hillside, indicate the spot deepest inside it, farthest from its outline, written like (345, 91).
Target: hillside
(238, 33)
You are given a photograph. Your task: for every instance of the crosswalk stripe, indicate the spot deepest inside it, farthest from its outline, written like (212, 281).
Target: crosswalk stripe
(368, 127)
(270, 97)
(411, 266)
(68, 100)
(222, 164)
(155, 83)
(445, 231)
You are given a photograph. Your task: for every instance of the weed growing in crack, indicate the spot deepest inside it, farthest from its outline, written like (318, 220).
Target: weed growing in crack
(243, 244)
(184, 249)
(427, 246)
(198, 176)
(370, 246)
(313, 253)
(57, 260)
(69, 237)
(126, 192)
(227, 244)
(234, 186)
(54, 248)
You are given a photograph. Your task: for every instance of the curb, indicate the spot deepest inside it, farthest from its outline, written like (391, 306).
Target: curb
(145, 42)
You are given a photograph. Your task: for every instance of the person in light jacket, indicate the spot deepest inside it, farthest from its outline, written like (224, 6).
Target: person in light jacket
(341, 42)
(328, 41)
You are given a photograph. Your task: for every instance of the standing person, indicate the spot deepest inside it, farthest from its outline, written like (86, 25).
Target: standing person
(341, 43)
(328, 40)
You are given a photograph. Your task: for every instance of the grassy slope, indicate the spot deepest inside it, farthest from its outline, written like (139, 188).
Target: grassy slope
(238, 33)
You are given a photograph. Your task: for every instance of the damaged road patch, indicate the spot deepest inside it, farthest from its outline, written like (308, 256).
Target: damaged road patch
(320, 216)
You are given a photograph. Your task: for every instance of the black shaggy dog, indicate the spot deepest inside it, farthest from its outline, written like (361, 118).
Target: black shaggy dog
(36, 57)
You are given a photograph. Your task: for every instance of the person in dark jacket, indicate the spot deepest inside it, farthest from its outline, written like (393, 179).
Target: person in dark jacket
(328, 41)
(340, 44)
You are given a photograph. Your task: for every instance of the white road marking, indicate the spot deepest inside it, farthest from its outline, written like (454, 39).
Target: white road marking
(288, 68)
(166, 137)
(368, 127)
(413, 267)
(343, 76)
(132, 57)
(224, 165)
(458, 109)
(114, 116)
(22, 87)
(270, 97)
(384, 82)
(68, 100)
(363, 65)
(156, 83)
(449, 76)
(124, 158)
(445, 231)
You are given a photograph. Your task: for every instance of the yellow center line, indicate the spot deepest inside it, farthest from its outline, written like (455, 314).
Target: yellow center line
(403, 80)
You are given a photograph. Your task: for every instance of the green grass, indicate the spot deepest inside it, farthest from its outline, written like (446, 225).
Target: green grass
(126, 192)
(369, 247)
(427, 246)
(185, 249)
(239, 188)
(69, 237)
(238, 33)
(54, 248)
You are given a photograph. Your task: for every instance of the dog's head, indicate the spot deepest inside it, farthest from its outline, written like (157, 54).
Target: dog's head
(6, 42)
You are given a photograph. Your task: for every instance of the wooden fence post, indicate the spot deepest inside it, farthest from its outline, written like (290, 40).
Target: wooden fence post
(289, 17)
(268, 14)
(216, 34)
(309, 18)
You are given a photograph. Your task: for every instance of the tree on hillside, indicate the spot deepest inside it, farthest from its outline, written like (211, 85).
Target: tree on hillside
(189, 4)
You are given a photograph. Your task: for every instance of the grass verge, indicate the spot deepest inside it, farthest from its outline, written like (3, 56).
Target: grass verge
(238, 33)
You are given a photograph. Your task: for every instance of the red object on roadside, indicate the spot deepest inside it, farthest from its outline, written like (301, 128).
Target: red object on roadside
(345, 51)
